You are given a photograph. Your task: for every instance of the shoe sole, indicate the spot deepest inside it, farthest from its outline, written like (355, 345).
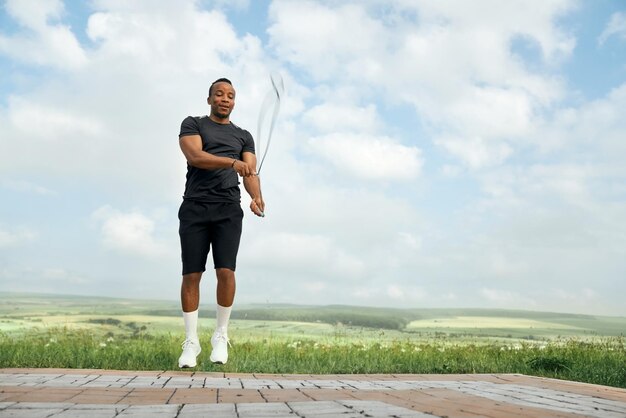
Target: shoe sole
(186, 366)
(190, 365)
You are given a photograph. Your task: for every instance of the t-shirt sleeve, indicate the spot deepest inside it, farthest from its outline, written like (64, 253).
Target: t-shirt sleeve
(189, 127)
(248, 146)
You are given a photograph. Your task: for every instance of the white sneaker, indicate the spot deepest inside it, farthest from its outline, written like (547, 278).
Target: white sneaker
(220, 343)
(191, 349)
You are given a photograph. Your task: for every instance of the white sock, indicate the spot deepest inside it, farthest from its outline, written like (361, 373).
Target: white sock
(223, 315)
(191, 325)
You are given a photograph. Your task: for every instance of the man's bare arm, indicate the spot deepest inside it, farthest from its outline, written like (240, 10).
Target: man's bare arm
(253, 186)
(191, 145)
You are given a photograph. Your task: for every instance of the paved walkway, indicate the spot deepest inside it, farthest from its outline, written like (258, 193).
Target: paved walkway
(71, 393)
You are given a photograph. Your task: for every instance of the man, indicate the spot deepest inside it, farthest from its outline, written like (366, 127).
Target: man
(210, 215)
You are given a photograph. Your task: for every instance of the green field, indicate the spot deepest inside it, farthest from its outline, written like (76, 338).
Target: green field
(21, 313)
(92, 332)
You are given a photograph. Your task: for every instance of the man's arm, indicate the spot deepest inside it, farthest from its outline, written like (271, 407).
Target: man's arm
(253, 185)
(191, 145)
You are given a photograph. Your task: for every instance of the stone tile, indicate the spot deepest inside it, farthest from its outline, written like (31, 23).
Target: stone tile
(43, 396)
(400, 395)
(318, 408)
(547, 399)
(446, 402)
(239, 395)
(104, 407)
(223, 383)
(40, 405)
(260, 384)
(327, 394)
(28, 413)
(204, 375)
(292, 384)
(102, 400)
(283, 395)
(95, 413)
(381, 409)
(149, 411)
(194, 395)
(223, 410)
(254, 410)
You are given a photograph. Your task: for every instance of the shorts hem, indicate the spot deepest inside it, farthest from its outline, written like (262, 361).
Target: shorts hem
(193, 271)
(232, 268)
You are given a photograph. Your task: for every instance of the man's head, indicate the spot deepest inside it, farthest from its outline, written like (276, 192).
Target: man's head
(221, 99)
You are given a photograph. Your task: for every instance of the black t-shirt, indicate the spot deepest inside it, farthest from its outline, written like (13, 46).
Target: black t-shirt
(222, 140)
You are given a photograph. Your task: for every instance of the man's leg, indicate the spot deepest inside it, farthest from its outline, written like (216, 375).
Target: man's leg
(190, 292)
(195, 243)
(190, 299)
(226, 236)
(225, 294)
(225, 287)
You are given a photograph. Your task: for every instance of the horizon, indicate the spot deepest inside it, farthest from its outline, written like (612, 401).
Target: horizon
(426, 154)
(204, 305)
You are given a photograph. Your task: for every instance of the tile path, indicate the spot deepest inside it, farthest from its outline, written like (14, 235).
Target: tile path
(70, 393)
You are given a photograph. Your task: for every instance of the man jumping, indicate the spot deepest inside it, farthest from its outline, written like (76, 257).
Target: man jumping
(210, 216)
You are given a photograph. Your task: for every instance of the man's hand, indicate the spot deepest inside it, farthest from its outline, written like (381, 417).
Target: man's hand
(243, 168)
(257, 206)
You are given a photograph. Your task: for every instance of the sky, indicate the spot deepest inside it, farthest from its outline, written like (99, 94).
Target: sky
(427, 153)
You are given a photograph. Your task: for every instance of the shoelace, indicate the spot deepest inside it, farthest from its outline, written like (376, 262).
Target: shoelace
(219, 336)
(187, 343)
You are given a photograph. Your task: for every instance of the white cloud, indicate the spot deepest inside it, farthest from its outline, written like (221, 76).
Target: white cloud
(34, 14)
(60, 124)
(507, 298)
(129, 233)
(331, 117)
(26, 187)
(577, 296)
(452, 62)
(61, 275)
(43, 43)
(516, 17)
(395, 292)
(476, 152)
(597, 127)
(235, 4)
(307, 254)
(52, 280)
(15, 236)
(615, 27)
(418, 151)
(327, 40)
(119, 105)
(410, 240)
(368, 157)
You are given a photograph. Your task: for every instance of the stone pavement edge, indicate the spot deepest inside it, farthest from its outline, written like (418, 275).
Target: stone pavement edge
(67, 393)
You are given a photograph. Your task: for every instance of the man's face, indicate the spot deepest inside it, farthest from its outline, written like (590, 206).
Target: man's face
(222, 100)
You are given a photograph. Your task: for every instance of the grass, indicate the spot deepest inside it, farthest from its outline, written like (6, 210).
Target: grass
(123, 334)
(601, 362)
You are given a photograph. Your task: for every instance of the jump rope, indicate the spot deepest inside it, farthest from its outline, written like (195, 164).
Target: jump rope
(271, 103)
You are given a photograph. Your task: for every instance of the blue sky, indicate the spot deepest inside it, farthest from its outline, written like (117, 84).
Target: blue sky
(427, 154)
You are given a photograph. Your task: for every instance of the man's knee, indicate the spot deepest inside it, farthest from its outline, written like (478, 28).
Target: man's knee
(192, 278)
(224, 274)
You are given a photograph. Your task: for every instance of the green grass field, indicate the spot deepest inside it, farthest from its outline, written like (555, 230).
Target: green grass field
(79, 332)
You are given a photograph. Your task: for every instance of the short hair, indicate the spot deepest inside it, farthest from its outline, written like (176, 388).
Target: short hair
(219, 80)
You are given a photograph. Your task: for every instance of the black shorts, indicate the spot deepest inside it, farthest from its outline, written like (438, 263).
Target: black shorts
(205, 225)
